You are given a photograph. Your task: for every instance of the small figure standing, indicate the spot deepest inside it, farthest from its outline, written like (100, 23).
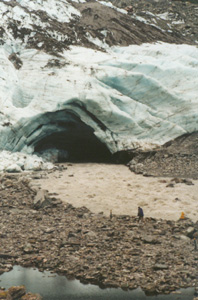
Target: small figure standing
(182, 216)
(195, 238)
(140, 214)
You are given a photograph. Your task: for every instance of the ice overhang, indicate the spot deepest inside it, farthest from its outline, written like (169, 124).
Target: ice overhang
(64, 131)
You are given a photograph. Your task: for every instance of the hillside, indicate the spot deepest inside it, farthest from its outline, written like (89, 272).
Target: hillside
(178, 18)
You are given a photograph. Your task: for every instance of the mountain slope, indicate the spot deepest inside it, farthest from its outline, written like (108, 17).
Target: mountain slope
(54, 25)
(178, 18)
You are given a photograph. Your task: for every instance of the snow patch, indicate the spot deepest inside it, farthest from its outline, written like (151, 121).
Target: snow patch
(164, 16)
(97, 42)
(59, 10)
(109, 4)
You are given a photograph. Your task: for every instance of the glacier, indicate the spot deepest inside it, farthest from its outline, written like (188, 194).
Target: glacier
(64, 102)
(122, 99)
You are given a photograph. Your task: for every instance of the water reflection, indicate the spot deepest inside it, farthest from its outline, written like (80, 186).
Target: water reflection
(54, 287)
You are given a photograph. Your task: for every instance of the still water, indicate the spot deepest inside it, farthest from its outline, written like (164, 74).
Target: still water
(54, 287)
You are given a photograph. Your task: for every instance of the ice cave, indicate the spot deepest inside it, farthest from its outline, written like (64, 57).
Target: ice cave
(96, 111)
(61, 136)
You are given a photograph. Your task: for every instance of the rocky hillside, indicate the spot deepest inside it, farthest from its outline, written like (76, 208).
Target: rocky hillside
(174, 17)
(177, 158)
(55, 27)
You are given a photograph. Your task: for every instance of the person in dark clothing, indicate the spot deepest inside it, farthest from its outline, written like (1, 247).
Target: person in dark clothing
(140, 214)
(195, 239)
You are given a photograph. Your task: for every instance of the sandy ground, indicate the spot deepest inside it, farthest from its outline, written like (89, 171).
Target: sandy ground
(105, 187)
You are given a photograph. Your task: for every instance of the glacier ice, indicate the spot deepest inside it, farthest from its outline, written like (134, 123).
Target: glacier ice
(129, 97)
(18, 162)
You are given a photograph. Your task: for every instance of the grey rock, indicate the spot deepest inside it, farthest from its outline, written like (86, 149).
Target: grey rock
(150, 240)
(28, 248)
(190, 231)
(49, 230)
(41, 199)
(160, 267)
(184, 237)
(16, 292)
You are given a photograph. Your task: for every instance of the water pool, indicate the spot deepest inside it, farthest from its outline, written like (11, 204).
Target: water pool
(55, 287)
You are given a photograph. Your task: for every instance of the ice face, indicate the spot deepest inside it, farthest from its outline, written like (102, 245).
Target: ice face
(138, 96)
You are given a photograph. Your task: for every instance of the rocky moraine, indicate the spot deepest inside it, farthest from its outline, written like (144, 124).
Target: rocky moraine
(38, 230)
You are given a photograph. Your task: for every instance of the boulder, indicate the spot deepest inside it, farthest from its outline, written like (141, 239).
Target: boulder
(160, 267)
(150, 288)
(16, 292)
(150, 240)
(30, 296)
(28, 248)
(3, 294)
(41, 199)
(190, 232)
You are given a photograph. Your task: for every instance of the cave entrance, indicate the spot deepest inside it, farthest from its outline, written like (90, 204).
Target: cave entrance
(72, 148)
(66, 137)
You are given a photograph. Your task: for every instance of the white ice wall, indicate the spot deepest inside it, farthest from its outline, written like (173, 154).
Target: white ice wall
(143, 95)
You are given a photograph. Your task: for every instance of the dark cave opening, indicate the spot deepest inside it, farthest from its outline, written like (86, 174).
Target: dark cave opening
(72, 139)
(75, 149)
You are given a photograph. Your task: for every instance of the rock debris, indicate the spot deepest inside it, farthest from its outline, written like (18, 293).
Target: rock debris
(156, 255)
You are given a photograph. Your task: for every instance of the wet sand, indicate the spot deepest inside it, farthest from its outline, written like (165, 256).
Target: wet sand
(105, 187)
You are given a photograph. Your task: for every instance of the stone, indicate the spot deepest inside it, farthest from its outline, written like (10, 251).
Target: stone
(28, 248)
(41, 199)
(160, 267)
(3, 294)
(135, 252)
(170, 185)
(184, 237)
(49, 230)
(188, 182)
(16, 292)
(30, 296)
(91, 234)
(150, 240)
(110, 283)
(190, 232)
(150, 288)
